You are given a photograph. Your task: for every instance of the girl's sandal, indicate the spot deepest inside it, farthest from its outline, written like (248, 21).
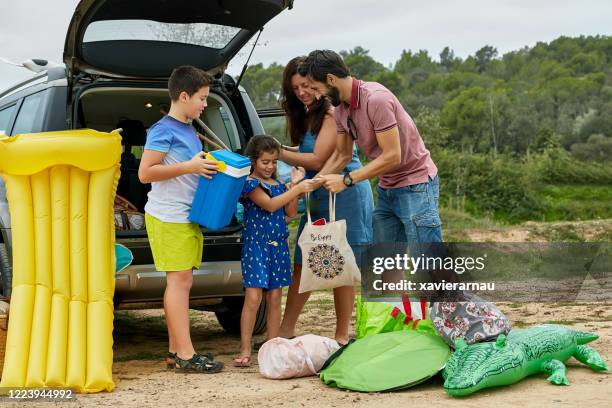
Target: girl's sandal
(171, 363)
(242, 361)
(197, 364)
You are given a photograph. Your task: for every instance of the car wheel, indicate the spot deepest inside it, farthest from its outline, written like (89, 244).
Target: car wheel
(229, 315)
(5, 267)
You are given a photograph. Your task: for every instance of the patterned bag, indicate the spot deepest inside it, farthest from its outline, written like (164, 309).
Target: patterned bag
(474, 320)
(327, 259)
(127, 217)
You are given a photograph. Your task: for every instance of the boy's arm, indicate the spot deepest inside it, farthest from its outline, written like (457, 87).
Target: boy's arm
(151, 168)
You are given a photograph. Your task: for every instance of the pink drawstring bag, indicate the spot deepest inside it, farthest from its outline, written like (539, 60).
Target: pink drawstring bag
(302, 356)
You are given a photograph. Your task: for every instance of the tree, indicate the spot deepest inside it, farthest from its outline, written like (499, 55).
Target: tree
(435, 135)
(263, 84)
(409, 62)
(484, 56)
(361, 64)
(391, 80)
(466, 116)
(448, 59)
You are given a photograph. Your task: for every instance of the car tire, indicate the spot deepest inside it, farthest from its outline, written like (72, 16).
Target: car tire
(5, 267)
(229, 315)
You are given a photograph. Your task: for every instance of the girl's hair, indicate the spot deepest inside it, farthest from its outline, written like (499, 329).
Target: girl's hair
(298, 119)
(259, 144)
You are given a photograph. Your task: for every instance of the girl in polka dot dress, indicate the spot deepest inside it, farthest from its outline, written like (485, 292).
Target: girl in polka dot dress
(266, 263)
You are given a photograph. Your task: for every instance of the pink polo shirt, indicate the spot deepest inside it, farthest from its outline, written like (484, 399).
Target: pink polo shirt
(375, 109)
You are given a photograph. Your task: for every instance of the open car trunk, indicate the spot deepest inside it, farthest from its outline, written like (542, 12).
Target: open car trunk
(135, 109)
(148, 38)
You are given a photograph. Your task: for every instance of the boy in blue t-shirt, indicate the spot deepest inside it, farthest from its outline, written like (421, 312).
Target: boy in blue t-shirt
(172, 162)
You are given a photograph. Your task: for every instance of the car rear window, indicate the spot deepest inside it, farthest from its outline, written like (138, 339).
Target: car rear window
(202, 34)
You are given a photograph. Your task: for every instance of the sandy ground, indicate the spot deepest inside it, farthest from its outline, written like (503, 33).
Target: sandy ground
(142, 380)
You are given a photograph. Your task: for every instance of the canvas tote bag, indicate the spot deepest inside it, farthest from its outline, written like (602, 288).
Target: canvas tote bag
(327, 259)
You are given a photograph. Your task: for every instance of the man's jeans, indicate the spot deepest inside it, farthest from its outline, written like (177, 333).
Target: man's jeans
(408, 214)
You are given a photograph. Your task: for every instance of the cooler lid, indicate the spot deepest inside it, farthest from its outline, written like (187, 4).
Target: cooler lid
(232, 159)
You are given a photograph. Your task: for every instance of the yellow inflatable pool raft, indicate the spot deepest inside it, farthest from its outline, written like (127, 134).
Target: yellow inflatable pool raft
(60, 189)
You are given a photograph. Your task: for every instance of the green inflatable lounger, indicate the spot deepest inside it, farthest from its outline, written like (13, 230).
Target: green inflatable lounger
(386, 361)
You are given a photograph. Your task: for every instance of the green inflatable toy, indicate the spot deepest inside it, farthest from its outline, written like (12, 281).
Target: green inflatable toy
(383, 317)
(123, 257)
(520, 354)
(386, 361)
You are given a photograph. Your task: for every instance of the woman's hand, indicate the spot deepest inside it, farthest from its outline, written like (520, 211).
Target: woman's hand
(297, 174)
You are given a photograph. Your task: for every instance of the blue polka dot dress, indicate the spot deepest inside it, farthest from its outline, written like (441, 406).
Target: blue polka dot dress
(266, 262)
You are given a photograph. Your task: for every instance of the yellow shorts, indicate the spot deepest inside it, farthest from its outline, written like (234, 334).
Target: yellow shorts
(175, 246)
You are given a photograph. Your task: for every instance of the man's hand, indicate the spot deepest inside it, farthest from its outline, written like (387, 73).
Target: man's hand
(333, 182)
(306, 186)
(202, 166)
(297, 174)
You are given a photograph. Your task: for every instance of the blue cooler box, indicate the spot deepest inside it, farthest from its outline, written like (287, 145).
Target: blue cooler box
(215, 199)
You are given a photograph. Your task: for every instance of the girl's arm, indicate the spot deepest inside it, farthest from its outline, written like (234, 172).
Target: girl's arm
(297, 175)
(271, 204)
(325, 145)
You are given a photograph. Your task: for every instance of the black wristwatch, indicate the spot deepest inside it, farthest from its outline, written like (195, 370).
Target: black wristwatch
(348, 180)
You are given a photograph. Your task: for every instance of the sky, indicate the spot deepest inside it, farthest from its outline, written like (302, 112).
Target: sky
(37, 28)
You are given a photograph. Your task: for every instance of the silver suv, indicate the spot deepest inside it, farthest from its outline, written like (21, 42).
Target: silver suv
(118, 56)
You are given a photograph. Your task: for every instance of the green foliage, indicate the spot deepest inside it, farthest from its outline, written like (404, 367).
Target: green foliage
(263, 84)
(483, 184)
(556, 166)
(435, 135)
(548, 186)
(484, 57)
(361, 64)
(522, 136)
(598, 148)
(575, 201)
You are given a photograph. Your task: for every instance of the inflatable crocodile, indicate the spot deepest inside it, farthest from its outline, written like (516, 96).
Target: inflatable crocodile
(516, 356)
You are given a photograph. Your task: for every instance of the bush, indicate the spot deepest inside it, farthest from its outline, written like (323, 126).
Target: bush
(556, 166)
(481, 183)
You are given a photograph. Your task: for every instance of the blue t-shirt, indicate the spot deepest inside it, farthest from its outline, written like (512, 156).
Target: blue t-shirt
(170, 200)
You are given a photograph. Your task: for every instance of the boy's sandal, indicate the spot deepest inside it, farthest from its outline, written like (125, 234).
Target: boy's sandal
(197, 364)
(171, 363)
(242, 361)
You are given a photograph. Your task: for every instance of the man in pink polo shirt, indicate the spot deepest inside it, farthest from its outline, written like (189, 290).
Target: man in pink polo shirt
(370, 115)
